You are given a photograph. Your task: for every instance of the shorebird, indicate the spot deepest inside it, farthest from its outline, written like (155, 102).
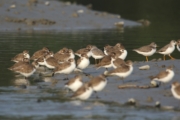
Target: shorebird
(168, 49)
(40, 53)
(83, 62)
(83, 93)
(26, 69)
(65, 56)
(65, 68)
(147, 50)
(164, 76)
(86, 51)
(19, 64)
(122, 49)
(51, 62)
(21, 56)
(98, 83)
(175, 89)
(119, 49)
(105, 62)
(96, 53)
(116, 61)
(123, 71)
(108, 49)
(178, 45)
(75, 83)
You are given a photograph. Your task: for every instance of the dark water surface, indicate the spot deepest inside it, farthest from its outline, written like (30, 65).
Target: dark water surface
(48, 102)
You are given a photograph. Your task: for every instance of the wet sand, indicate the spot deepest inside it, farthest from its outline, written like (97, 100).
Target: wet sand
(55, 15)
(143, 97)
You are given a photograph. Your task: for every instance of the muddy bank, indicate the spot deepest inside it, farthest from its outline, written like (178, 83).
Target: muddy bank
(55, 15)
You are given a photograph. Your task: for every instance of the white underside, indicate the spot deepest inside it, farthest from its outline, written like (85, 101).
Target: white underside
(86, 94)
(83, 64)
(28, 74)
(100, 86)
(27, 56)
(72, 55)
(88, 54)
(147, 53)
(107, 66)
(174, 93)
(105, 52)
(123, 55)
(78, 54)
(49, 66)
(124, 74)
(74, 86)
(168, 51)
(68, 70)
(166, 79)
(42, 63)
(97, 57)
(178, 48)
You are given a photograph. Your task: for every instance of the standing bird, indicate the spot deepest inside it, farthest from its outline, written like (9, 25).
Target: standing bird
(96, 53)
(164, 76)
(147, 50)
(123, 71)
(98, 83)
(65, 56)
(168, 49)
(86, 51)
(83, 93)
(18, 64)
(21, 56)
(40, 53)
(83, 62)
(122, 49)
(175, 89)
(26, 69)
(105, 62)
(116, 61)
(75, 83)
(65, 68)
(178, 45)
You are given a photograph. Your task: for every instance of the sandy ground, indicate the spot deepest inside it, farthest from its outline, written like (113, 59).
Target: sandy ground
(143, 97)
(54, 15)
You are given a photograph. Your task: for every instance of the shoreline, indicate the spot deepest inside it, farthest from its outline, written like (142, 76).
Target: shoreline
(56, 15)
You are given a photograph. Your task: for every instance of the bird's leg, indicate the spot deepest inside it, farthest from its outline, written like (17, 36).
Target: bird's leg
(66, 77)
(95, 61)
(96, 95)
(171, 57)
(122, 80)
(99, 60)
(146, 58)
(164, 57)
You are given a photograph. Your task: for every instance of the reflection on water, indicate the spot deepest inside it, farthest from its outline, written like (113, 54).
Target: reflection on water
(12, 43)
(39, 98)
(35, 103)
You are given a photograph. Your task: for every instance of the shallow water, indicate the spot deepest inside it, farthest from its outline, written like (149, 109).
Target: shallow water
(42, 100)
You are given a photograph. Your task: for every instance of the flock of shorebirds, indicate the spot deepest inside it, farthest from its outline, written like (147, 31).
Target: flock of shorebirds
(63, 62)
